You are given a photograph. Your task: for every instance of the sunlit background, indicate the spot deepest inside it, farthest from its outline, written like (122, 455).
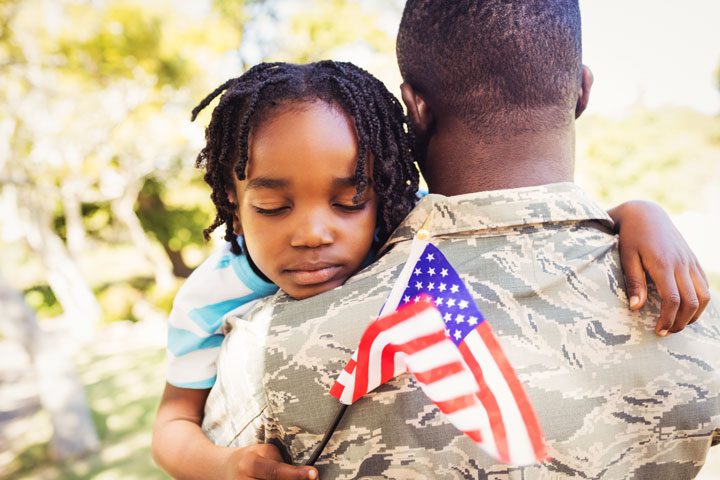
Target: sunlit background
(101, 209)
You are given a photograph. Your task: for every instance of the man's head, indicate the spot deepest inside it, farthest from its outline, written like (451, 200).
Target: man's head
(497, 65)
(492, 88)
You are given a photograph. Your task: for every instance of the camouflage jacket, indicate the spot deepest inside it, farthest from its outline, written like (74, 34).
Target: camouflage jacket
(613, 399)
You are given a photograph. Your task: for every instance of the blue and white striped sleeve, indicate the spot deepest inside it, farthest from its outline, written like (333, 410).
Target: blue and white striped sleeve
(223, 283)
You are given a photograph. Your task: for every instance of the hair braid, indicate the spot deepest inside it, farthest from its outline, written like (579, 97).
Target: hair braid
(381, 127)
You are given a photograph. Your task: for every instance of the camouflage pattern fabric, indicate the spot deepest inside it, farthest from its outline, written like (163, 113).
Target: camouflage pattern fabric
(614, 400)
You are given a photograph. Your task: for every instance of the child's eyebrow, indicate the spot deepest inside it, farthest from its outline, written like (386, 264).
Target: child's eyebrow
(346, 181)
(265, 182)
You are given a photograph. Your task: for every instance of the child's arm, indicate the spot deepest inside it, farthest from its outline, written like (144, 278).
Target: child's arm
(650, 243)
(181, 448)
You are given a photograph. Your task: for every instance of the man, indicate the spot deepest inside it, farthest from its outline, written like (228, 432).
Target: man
(493, 89)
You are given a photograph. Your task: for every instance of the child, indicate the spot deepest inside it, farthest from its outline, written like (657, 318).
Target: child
(332, 174)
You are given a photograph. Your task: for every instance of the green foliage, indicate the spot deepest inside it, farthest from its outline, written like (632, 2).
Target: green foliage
(117, 301)
(669, 156)
(175, 213)
(324, 26)
(124, 39)
(42, 299)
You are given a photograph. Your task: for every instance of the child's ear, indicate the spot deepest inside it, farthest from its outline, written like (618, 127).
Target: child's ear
(237, 225)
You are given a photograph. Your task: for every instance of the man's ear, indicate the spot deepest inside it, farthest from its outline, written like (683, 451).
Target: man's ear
(586, 85)
(417, 108)
(233, 199)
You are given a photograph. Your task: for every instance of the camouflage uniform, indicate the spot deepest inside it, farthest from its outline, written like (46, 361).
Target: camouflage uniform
(614, 400)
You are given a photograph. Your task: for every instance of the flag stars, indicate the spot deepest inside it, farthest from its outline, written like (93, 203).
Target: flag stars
(439, 301)
(418, 285)
(472, 321)
(450, 302)
(431, 286)
(444, 272)
(431, 271)
(406, 298)
(416, 299)
(442, 287)
(430, 257)
(417, 272)
(454, 289)
(457, 335)
(460, 318)
(462, 304)
(447, 317)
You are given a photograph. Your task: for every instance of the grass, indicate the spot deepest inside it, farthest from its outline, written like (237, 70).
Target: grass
(123, 389)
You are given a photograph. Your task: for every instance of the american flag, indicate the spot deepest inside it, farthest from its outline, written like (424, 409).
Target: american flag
(440, 335)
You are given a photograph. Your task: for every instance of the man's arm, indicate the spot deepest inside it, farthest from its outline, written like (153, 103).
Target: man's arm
(650, 244)
(182, 450)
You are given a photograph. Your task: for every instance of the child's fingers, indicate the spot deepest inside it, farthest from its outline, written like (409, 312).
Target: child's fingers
(670, 301)
(259, 467)
(635, 284)
(266, 463)
(702, 289)
(688, 300)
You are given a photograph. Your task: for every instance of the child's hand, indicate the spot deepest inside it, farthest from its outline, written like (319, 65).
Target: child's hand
(264, 462)
(650, 243)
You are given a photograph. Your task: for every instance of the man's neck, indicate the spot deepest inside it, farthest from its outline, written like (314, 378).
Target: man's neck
(463, 163)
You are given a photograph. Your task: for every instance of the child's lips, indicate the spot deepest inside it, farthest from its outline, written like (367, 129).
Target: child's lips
(313, 274)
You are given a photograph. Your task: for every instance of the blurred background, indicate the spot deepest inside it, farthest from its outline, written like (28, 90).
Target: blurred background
(102, 210)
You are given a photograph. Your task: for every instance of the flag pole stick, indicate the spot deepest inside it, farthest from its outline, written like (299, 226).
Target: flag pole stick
(318, 451)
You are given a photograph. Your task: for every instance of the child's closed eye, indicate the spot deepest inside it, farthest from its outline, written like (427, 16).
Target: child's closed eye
(270, 212)
(352, 207)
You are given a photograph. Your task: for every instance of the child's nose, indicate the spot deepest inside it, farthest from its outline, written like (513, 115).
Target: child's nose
(312, 230)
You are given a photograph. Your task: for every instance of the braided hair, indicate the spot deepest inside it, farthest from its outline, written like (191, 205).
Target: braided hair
(381, 126)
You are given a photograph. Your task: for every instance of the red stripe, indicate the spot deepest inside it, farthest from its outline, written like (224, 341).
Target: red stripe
(410, 347)
(489, 402)
(475, 436)
(387, 363)
(526, 410)
(371, 334)
(421, 343)
(457, 403)
(337, 389)
(437, 373)
(350, 366)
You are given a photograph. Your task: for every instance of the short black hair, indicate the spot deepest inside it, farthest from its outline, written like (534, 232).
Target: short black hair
(496, 64)
(381, 126)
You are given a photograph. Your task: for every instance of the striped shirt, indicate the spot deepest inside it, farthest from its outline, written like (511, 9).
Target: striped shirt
(223, 284)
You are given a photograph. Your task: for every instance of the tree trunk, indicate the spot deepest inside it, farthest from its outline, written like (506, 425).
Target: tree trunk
(72, 208)
(63, 274)
(180, 269)
(124, 211)
(60, 390)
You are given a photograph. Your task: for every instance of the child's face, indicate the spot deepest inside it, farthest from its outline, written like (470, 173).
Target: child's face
(300, 225)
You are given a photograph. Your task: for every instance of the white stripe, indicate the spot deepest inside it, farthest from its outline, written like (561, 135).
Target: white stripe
(488, 440)
(467, 419)
(519, 446)
(393, 300)
(433, 356)
(192, 367)
(347, 394)
(452, 386)
(344, 378)
(424, 323)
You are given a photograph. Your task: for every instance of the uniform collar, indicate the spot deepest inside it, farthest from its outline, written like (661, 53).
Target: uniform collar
(498, 209)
